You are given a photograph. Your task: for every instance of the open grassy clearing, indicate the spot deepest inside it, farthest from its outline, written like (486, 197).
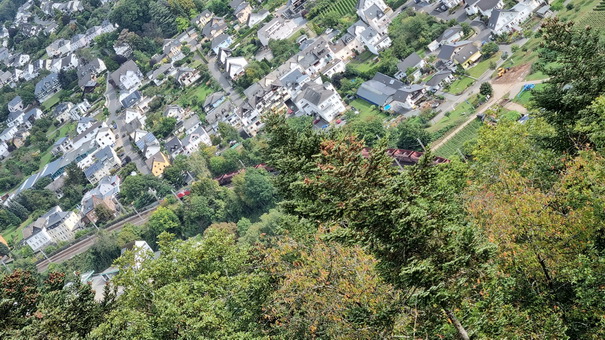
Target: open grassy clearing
(454, 119)
(200, 92)
(366, 109)
(482, 66)
(460, 85)
(525, 97)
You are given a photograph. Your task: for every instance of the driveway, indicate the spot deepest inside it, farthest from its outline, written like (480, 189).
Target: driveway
(225, 82)
(112, 101)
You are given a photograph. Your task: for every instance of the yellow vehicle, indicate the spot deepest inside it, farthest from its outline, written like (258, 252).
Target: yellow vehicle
(502, 71)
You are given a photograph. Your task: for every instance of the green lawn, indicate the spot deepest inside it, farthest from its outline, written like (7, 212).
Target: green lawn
(200, 92)
(451, 147)
(52, 101)
(482, 67)
(536, 76)
(455, 118)
(525, 97)
(15, 233)
(363, 62)
(45, 158)
(366, 109)
(461, 84)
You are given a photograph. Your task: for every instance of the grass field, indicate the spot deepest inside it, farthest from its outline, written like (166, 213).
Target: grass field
(200, 92)
(454, 119)
(525, 97)
(451, 147)
(52, 101)
(366, 109)
(461, 84)
(15, 233)
(363, 62)
(482, 67)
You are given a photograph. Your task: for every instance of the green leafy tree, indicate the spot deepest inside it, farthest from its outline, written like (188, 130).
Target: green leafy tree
(489, 49)
(196, 288)
(369, 128)
(572, 57)
(486, 89)
(407, 134)
(326, 290)
(103, 213)
(254, 188)
(406, 220)
(4, 249)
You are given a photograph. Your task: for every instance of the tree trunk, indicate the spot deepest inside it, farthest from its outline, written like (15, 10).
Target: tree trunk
(461, 331)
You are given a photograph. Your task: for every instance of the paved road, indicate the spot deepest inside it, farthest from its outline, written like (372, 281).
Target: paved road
(112, 102)
(224, 82)
(85, 244)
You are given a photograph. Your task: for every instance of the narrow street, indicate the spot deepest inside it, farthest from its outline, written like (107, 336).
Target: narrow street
(225, 83)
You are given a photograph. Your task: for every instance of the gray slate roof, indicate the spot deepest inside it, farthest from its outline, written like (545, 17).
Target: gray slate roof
(411, 61)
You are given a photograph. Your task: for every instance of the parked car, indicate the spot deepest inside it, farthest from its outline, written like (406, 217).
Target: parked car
(183, 193)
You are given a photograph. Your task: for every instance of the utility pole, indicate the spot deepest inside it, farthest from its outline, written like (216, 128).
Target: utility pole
(177, 196)
(421, 144)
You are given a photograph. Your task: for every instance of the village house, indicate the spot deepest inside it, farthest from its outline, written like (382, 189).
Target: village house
(186, 76)
(7, 134)
(390, 93)
(235, 67)
(122, 49)
(157, 163)
(464, 53)
(192, 141)
(276, 29)
(482, 7)
(62, 112)
(241, 10)
(449, 36)
(89, 72)
(213, 28)
(213, 101)
(413, 65)
(439, 80)
(506, 21)
(175, 111)
(104, 194)
(54, 226)
(174, 147)
(320, 100)
(16, 104)
(257, 16)
(47, 87)
(347, 47)
(373, 40)
(147, 143)
(3, 150)
(202, 19)
(221, 41)
(375, 13)
(134, 114)
(84, 123)
(58, 48)
(104, 162)
(128, 77)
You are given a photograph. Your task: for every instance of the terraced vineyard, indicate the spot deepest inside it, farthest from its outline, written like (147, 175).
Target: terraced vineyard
(341, 7)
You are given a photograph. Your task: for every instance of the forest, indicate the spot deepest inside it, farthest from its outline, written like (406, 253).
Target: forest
(338, 243)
